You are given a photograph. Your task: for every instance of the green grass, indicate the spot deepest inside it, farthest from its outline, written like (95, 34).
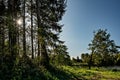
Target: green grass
(93, 74)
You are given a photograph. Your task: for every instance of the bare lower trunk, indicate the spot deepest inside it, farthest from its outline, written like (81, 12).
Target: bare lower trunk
(32, 29)
(24, 36)
(44, 56)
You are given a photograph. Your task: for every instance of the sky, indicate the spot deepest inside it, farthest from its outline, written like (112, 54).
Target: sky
(82, 17)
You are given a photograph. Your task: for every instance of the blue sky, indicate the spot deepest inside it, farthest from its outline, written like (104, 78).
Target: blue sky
(82, 17)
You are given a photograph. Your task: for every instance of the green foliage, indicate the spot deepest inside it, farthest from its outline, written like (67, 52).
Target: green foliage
(117, 59)
(85, 57)
(6, 65)
(60, 59)
(49, 13)
(102, 49)
(60, 56)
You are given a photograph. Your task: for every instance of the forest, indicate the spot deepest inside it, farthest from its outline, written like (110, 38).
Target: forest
(31, 47)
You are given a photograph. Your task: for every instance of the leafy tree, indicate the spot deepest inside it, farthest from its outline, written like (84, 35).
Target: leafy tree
(85, 57)
(59, 55)
(78, 59)
(102, 48)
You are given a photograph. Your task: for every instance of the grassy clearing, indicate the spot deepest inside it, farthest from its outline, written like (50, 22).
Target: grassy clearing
(93, 74)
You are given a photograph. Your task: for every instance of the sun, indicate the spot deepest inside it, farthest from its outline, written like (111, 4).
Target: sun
(19, 21)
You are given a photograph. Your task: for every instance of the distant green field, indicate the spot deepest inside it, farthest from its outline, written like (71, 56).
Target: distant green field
(93, 74)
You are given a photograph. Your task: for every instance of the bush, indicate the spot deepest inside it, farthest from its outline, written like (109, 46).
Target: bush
(114, 70)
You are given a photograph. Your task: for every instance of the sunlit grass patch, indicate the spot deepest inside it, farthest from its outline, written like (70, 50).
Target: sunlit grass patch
(92, 74)
(111, 74)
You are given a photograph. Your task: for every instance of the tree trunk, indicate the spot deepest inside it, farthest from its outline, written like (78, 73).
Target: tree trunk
(32, 29)
(44, 56)
(90, 61)
(12, 28)
(2, 39)
(24, 35)
(38, 23)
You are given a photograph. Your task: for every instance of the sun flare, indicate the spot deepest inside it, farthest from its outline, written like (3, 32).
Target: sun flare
(19, 21)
